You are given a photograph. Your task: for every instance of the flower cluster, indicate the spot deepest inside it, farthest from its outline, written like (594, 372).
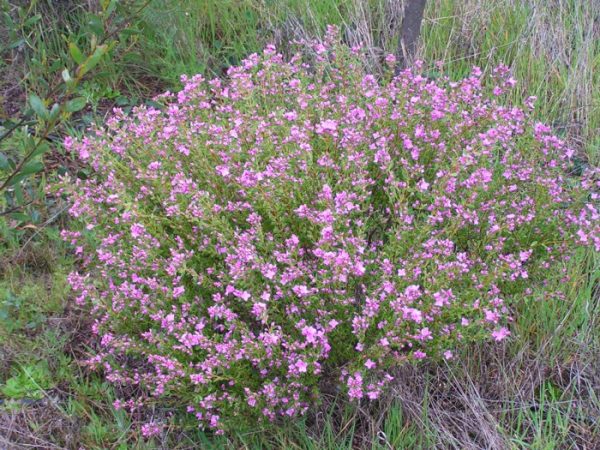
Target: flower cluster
(301, 222)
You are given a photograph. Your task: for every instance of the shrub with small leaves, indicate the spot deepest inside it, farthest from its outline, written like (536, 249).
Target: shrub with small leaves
(300, 223)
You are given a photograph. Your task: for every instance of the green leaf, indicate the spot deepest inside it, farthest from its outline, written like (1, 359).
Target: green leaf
(22, 217)
(92, 60)
(41, 149)
(108, 7)
(35, 216)
(17, 179)
(128, 32)
(38, 106)
(76, 104)
(32, 167)
(75, 54)
(9, 21)
(30, 382)
(95, 25)
(32, 20)
(55, 111)
(154, 104)
(4, 164)
(121, 100)
(16, 44)
(29, 143)
(19, 194)
(55, 66)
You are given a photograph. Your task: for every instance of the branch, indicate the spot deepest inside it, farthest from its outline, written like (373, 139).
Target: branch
(409, 32)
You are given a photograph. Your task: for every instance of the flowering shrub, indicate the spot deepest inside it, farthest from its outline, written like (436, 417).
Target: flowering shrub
(301, 223)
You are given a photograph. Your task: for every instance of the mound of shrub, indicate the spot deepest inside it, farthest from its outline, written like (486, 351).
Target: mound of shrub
(301, 223)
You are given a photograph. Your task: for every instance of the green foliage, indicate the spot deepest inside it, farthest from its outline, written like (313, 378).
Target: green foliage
(27, 138)
(29, 382)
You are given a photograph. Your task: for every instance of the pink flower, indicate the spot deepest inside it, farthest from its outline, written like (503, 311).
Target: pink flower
(390, 60)
(373, 395)
(137, 230)
(301, 366)
(500, 334)
(222, 170)
(491, 316)
(424, 334)
(327, 126)
(301, 290)
(269, 271)
(258, 309)
(355, 386)
(151, 429)
(310, 333)
(419, 354)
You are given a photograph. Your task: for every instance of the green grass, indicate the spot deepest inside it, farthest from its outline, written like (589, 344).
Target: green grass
(538, 392)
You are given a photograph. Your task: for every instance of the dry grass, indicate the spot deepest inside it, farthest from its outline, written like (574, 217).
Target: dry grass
(497, 402)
